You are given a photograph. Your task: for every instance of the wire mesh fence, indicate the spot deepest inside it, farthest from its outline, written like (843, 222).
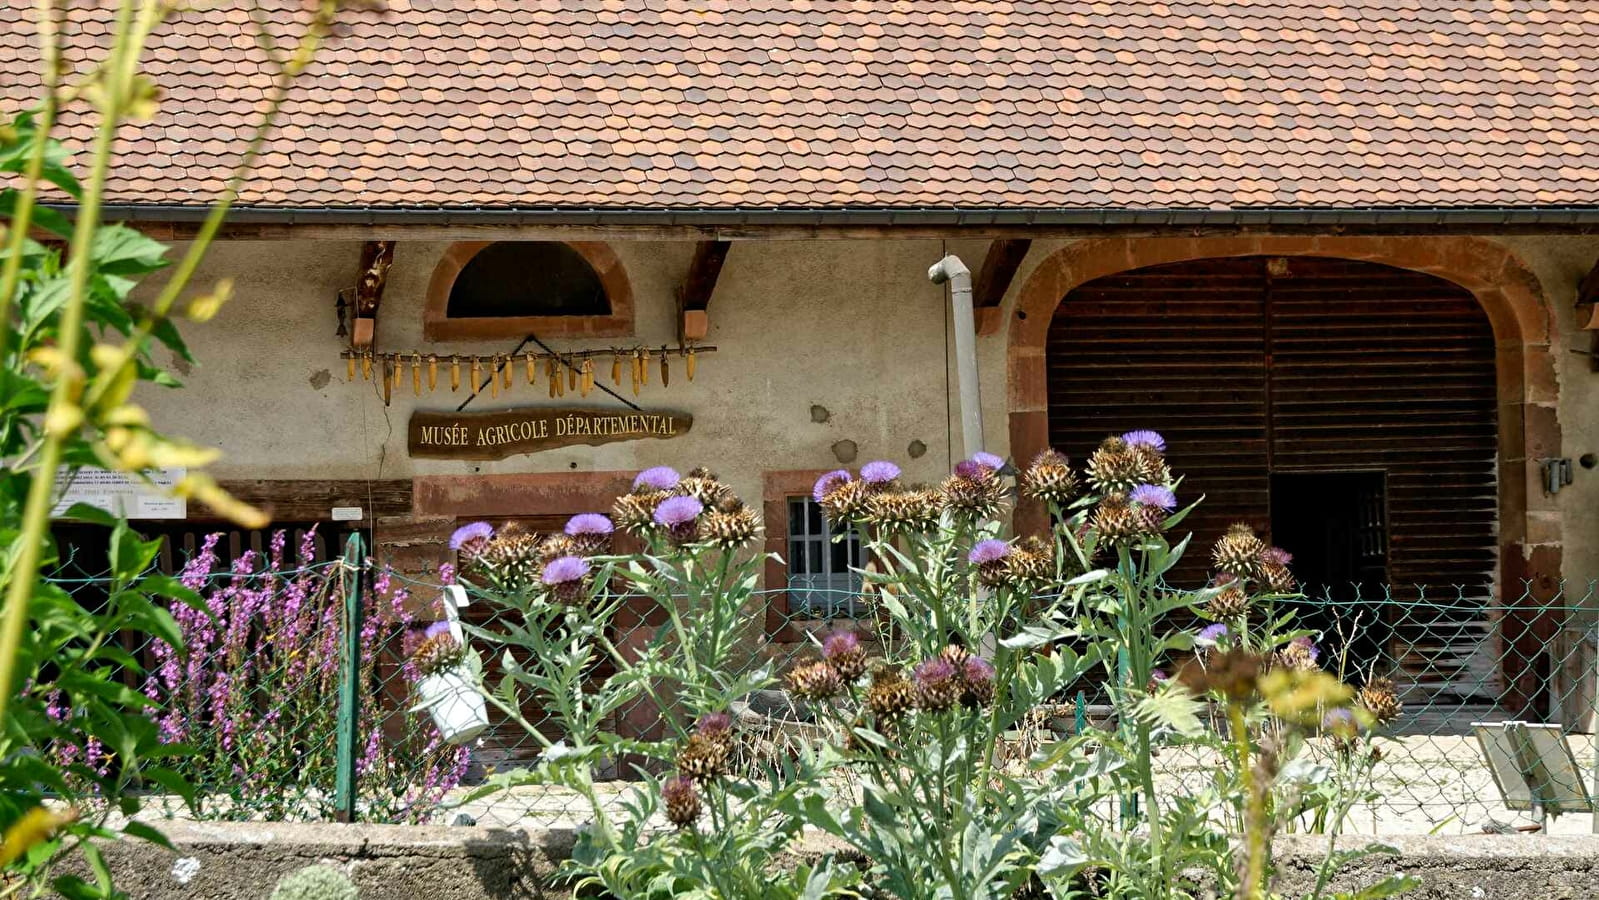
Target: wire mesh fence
(297, 669)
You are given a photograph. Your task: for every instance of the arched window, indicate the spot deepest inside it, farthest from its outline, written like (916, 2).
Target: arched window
(494, 290)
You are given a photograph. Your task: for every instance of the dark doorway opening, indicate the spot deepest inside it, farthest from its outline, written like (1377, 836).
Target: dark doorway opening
(1336, 526)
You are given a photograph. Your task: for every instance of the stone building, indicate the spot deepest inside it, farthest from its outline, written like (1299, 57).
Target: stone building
(1342, 256)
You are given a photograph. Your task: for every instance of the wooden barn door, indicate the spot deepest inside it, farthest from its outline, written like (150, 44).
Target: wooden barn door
(1373, 387)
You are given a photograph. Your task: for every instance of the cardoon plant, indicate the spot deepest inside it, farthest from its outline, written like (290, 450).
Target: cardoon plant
(255, 692)
(914, 765)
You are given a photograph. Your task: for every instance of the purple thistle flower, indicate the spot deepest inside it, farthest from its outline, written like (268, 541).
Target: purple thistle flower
(676, 512)
(840, 643)
(991, 550)
(1309, 645)
(969, 470)
(1276, 556)
(828, 482)
(977, 671)
(588, 523)
(988, 461)
(564, 570)
(471, 535)
(1155, 495)
(1211, 634)
(661, 478)
(1143, 437)
(436, 629)
(879, 472)
(933, 671)
(714, 724)
(1341, 722)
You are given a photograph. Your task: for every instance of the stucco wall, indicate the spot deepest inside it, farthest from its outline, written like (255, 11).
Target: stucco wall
(851, 325)
(854, 327)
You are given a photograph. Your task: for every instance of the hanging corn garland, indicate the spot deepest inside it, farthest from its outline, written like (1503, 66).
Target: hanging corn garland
(579, 368)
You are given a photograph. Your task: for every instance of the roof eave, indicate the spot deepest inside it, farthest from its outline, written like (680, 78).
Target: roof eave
(1552, 218)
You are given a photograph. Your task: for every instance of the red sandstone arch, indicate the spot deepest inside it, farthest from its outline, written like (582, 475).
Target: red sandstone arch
(1524, 330)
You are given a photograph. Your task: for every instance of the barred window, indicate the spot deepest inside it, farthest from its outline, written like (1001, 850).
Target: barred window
(821, 580)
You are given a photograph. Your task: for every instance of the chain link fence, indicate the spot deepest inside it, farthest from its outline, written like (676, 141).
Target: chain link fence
(297, 692)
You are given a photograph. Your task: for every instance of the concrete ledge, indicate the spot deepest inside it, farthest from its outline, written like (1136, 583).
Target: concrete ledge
(242, 861)
(1465, 867)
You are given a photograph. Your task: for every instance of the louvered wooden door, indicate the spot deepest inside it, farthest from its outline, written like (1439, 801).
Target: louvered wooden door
(1254, 365)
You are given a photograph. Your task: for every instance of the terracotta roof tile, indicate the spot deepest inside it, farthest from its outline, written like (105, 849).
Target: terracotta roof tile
(827, 103)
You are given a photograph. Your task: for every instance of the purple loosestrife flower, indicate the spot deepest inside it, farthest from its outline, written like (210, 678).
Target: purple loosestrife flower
(660, 478)
(828, 482)
(446, 573)
(1155, 495)
(988, 461)
(989, 551)
(470, 540)
(879, 472)
(1143, 437)
(1211, 634)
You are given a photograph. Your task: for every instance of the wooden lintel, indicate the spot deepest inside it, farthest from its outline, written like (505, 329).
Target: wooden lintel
(303, 500)
(376, 257)
(1004, 257)
(1588, 298)
(994, 276)
(694, 300)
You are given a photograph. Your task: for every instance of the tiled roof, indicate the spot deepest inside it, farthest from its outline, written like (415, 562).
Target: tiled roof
(881, 103)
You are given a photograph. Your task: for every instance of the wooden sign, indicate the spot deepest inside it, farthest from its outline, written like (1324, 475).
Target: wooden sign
(497, 434)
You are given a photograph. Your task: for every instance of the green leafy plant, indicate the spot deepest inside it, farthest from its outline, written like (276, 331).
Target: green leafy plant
(75, 342)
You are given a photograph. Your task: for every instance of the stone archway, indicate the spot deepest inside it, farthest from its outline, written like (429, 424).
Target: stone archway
(1529, 521)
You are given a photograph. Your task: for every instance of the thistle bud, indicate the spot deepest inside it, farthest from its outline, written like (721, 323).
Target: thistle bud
(938, 685)
(1380, 699)
(815, 681)
(682, 799)
(1238, 551)
(1049, 478)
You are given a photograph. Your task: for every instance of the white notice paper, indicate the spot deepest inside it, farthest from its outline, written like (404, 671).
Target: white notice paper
(121, 494)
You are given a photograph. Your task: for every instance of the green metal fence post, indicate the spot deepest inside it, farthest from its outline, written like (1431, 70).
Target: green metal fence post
(349, 683)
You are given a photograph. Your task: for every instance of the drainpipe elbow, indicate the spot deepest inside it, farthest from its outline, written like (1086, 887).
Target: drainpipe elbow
(949, 268)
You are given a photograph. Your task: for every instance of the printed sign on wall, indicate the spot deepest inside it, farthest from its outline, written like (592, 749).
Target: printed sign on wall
(507, 432)
(121, 494)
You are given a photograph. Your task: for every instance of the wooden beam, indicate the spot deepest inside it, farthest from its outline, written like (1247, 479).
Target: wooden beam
(994, 276)
(694, 301)
(1588, 300)
(300, 500)
(376, 257)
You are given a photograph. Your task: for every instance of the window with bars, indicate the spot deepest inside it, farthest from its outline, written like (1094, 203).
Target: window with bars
(821, 580)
